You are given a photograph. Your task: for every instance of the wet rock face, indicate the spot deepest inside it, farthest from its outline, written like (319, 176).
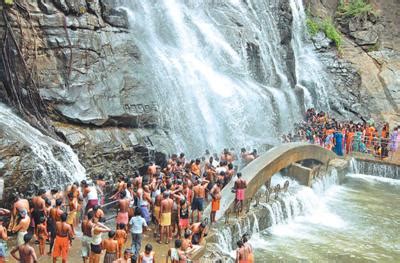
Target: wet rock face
(84, 61)
(114, 152)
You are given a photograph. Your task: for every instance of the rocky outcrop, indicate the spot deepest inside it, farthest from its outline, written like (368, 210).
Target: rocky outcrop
(84, 61)
(79, 56)
(366, 72)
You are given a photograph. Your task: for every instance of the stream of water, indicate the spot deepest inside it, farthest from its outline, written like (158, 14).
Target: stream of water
(353, 222)
(219, 71)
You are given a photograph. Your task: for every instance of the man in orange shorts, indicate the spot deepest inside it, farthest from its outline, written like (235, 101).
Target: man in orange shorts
(63, 239)
(216, 198)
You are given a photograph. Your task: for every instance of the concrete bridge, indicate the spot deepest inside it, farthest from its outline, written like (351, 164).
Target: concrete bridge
(265, 166)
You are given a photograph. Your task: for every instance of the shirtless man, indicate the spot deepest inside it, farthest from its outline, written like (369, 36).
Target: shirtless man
(123, 205)
(54, 217)
(26, 252)
(156, 211)
(199, 231)
(110, 245)
(199, 193)
(249, 248)
(240, 186)
(39, 207)
(241, 253)
(144, 202)
(22, 227)
(63, 239)
(216, 199)
(3, 239)
(86, 235)
(19, 205)
(165, 217)
(246, 157)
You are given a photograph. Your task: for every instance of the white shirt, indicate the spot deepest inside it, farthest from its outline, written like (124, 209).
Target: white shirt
(137, 223)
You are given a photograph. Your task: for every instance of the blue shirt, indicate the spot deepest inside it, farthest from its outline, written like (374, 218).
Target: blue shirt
(137, 223)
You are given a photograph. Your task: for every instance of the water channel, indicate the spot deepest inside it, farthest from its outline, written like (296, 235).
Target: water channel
(352, 222)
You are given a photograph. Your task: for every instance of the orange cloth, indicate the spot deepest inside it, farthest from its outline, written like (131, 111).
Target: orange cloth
(61, 247)
(215, 205)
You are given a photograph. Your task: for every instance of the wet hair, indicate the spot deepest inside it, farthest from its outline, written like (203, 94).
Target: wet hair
(178, 243)
(187, 234)
(58, 202)
(63, 217)
(138, 212)
(42, 219)
(47, 201)
(96, 207)
(245, 238)
(111, 234)
(121, 226)
(182, 155)
(128, 251)
(239, 243)
(54, 191)
(203, 224)
(183, 201)
(230, 166)
(90, 215)
(148, 248)
(84, 183)
(197, 160)
(101, 176)
(41, 192)
(28, 237)
(122, 194)
(239, 175)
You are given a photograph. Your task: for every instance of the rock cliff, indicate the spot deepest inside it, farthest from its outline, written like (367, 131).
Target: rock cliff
(367, 71)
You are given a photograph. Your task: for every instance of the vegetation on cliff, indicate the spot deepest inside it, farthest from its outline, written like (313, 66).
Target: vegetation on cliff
(354, 8)
(327, 26)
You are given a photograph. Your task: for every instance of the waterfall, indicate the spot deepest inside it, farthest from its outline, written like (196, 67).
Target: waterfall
(308, 66)
(375, 168)
(219, 72)
(55, 162)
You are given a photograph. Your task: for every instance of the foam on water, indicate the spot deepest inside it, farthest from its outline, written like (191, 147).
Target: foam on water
(375, 179)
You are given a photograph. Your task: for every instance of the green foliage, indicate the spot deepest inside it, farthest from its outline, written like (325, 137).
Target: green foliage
(9, 2)
(331, 32)
(312, 26)
(354, 8)
(325, 26)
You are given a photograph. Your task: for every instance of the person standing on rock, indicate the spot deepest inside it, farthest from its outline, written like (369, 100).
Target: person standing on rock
(216, 199)
(26, 252)
(240, 186)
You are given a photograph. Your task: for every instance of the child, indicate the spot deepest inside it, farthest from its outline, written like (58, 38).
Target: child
(42, 235)
(147, 256)
(121, 237)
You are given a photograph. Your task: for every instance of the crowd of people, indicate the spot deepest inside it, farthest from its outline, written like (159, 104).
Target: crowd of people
(346, 137)
(168, 201)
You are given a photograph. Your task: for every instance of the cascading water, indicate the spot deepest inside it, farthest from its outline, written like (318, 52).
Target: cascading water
(374, 168)
(218, 70)
(56, 163)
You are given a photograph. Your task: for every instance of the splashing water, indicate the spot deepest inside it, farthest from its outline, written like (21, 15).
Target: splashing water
(217, 72)
(55, 162)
